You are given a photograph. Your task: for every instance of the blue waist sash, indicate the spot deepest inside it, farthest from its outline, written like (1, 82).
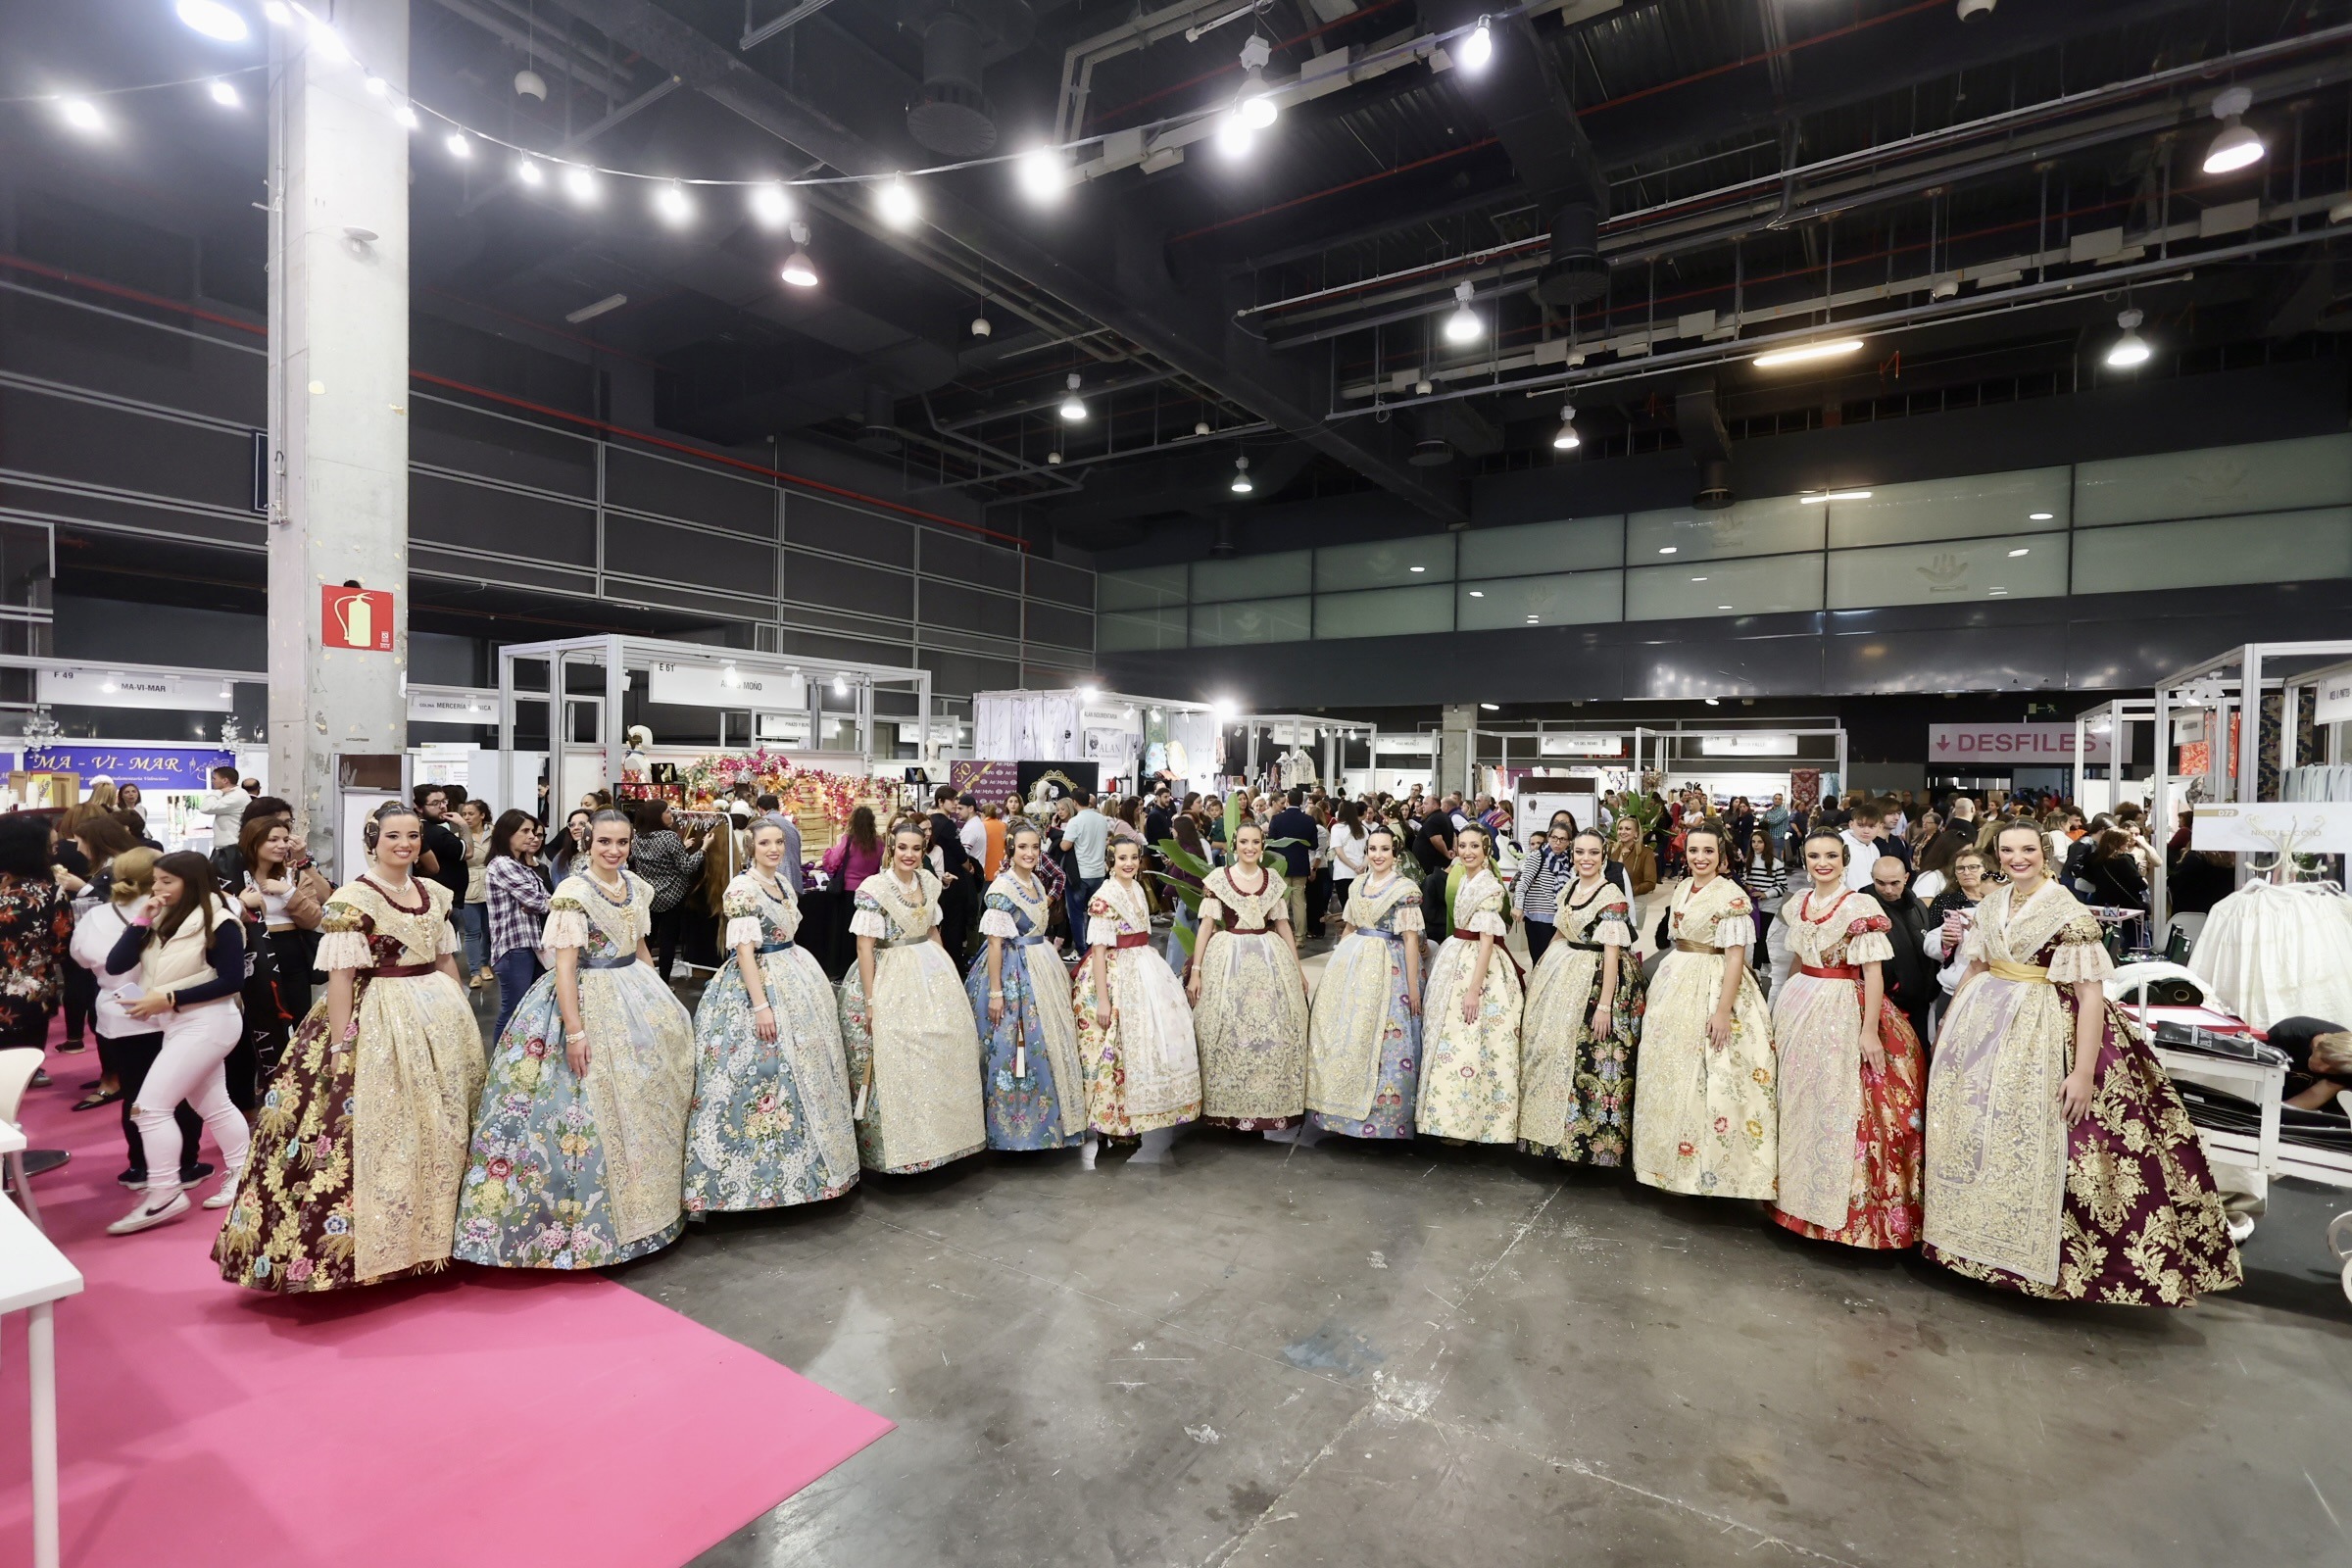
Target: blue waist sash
(1381, 932)
(1031, 940)
(766, 947)
(617, 961)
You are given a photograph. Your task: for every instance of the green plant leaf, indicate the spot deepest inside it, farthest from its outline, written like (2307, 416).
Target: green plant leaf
(1182, 859)
(1186, 894)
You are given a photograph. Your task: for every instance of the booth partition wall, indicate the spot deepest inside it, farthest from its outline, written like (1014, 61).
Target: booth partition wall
(2277, 512)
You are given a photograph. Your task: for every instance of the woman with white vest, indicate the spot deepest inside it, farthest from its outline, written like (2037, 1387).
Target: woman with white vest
(189, 947)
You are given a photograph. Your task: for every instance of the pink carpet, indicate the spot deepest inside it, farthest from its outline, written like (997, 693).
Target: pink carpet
(479, 1417)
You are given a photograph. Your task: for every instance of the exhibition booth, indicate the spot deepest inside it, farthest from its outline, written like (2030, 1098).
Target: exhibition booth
(1124, 738)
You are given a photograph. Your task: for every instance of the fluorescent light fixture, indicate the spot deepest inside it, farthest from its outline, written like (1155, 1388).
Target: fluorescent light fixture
(1416, 568)
(81, 114)
(2040, 517)
(1530, 620)
(580, 182)
(2022, 551)
(1805, 353)
(1463, 325)
(895, 200)
(1240, 476)
(673, 204)
(770, 205)
(458, 145)
(1698, 579)
(1819, 497)
(1996, 590)
(2236, 147)
(1668, 550)
(1714, 702)
(1492, 708)
(1565, 439)
(1478, 593)
(1723, 607)
(1073, 407)
(213, 18)
(589, 313)
(2131, 349)
(1044, 174)
(527, 171)
(1478, 48)
(223, 94)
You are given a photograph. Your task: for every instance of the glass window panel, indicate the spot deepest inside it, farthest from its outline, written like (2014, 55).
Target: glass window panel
(1768, 526)
(1141, 587)
(1723, 588)
(1385, 563)
(1122, 629)
(2216, 482)
(2017, 567)
(1561, 599)
(1385, 611)
(1964, 507)
(1291, 571)
(1574, 543)
(1260, 620)
(2281, 547)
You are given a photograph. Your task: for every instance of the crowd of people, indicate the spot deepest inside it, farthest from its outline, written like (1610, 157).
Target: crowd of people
(1011, 989)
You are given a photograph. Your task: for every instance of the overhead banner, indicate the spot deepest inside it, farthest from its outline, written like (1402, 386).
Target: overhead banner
(429, 706)
(2267, 827)
(103, 688)
(2001, 745)
(2331, 704)
(684, 685)
(1580, 745)
(1747, 745)
(150, 768)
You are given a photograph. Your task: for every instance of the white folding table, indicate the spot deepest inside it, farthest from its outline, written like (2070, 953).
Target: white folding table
(33, 1276)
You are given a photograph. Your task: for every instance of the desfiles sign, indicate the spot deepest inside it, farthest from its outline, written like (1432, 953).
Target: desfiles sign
(2036, 745)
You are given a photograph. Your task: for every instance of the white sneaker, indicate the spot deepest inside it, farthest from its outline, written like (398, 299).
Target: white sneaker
(227, 1194)
(143, 1218)
(2241, 1227)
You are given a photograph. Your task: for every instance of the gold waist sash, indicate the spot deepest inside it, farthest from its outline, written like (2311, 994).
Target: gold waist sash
(2003, 970)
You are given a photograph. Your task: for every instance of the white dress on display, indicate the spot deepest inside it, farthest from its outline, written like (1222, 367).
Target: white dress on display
(2270, 951)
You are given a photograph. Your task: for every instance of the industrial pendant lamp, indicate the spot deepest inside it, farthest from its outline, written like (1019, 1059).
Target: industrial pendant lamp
(2236, 147)
(1567, 440)
(1073, 407)
(1240, 476)
(798, 271)
(1463, 325)
(2131, 349)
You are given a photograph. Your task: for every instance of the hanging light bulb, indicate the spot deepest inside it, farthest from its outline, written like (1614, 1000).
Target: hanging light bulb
(1044, 175)
(1073, 407)
(982, 326)
(673, 204)
(327, 43)
(1479, 47)
(581, 183)
(2131, 349)
(406, 116)
(770, 206)
(1235, 139)
(224, 95)
(1240, 476)
(81, 114)
(1053, 460)
(798, 271)
(2236, 147)
(376, 86)
(213, 18)
(277, 12)
(458, 145)
(1463, 325)
(895, 200)
(1567, 440)
(527, 171)
(1253, 107)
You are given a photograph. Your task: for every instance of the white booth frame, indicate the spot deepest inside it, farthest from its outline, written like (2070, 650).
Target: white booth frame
(2117, 717)
(1298, 724)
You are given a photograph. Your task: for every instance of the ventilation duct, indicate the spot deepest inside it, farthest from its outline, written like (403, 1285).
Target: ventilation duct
(1222, 540)
(1700, 422)
(878, 426)
(961, 37)
(1574, 274)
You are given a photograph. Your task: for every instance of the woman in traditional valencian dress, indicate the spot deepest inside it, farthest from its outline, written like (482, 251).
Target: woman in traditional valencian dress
(1708, 1123)
(770, 1120)
(2059, 1160)
(1850, 1068)
(580, 1143)
(915, 1068)
(1033, 1091)
(1584, 1019)
(1365, 1037)
(359, 1142)
(1135, 1033)
(1470, 1079)
(1249, 999)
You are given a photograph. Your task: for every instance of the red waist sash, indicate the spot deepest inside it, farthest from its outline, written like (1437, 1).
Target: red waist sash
(1133, 939)
(400, 971)
(1840, 972)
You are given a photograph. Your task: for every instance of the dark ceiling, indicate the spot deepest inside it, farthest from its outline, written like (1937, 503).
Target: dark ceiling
(1620, 169)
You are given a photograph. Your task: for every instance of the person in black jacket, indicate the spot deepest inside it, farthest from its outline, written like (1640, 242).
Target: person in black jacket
(1911, 983)
(959, 898)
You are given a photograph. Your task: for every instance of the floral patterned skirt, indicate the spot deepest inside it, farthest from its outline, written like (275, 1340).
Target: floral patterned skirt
(1708, 1122)
(1470, 1072)
(1577, 1092)
(1023, 1099)
(1143, 1073)
(1252, 1029)
(770, 1121)
(1883, 1207)
(1364, 1018)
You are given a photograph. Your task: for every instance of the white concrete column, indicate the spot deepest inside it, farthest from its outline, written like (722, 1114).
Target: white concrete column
(338, 396)
(1455, 748)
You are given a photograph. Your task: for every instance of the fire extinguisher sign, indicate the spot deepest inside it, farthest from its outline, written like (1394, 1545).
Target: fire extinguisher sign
(355, 618)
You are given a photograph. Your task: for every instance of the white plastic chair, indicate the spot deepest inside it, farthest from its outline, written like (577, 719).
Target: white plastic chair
(17, 1068)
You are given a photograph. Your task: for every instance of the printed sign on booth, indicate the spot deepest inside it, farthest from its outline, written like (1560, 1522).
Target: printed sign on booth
(354, 617)
(2001, 745)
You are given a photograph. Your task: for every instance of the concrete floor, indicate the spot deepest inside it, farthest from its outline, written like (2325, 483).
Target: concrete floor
(1427, 1355)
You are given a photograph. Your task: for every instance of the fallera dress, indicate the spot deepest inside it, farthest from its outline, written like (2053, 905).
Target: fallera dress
(1470, 1079)
(1032, 1088)
(359, 1145)
(1143, 1072)
(582, 1172)
(919, 1071)
(1252, 1020)
(1576, 1092)
(769, 1124)
(2119, 1207)
(1849, 1134)
(1708, 1122)
(1364, 1065)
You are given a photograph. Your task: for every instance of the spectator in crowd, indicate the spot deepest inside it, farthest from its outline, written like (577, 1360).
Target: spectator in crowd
(667, 861)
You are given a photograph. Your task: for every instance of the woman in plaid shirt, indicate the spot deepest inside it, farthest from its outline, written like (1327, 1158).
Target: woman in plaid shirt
(518, 891)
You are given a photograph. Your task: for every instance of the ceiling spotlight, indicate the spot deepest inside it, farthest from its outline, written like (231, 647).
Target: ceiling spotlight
(1723, 607)
(1240, 476)
(2236, 146)
(2026, 551)
(1463, 325)
(1478, 593)
(798, 271)
(770, 205)
(1714, 702)
(1492, 708)
(2131, 349)
(458, 145)
(406, 116)
(1668, 550)
(840, 686)
(1566, 440)
(1479, 47)
(1819, 496)
(213, 18)
(224, 95)
(1530, 620)
(580, 182)
(982, 326)
(673, 204)
(81, 114)
(1416, 568)
(1044, 174)
(1804, 353)
(1073, 407)
(527, 171)
(895, 200)
(2040, 517)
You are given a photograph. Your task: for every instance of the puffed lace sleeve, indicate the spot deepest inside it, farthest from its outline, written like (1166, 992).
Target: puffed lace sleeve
(1487, 920)
(566, 923)
(345, 944)
(997, 919)
(1407, 916)
(868, 918)
(1103, 923)
(2080, 955)
(741, 907)
(1613, 927)
(1971, 942)
(450, 941)
(1867, 940)
(1733, 927)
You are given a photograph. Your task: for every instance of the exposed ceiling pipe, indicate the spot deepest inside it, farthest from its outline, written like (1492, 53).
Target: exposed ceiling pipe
(794, 14)
(545, 51)
(578, 139)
